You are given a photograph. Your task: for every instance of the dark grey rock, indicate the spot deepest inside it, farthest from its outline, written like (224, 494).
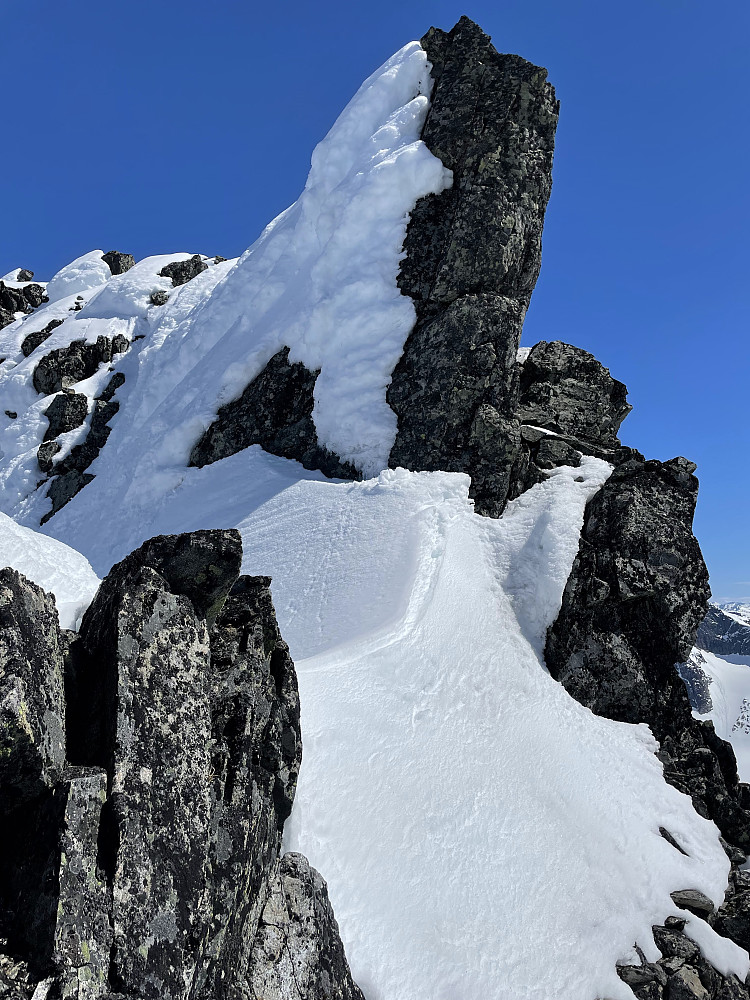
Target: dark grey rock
(636, 594)
(32, 759)
(297, 953)
(472, 258)
(673, 944)
(34, 295)
(182, 271)
(63, 487)
(694, 901)
(65, 366)
(71, 471)
(117, 262)
(566, 390)
(641, 975)
(733, 917)
(685, 984)
(274, 411)
(11, 414)
(24, 274)
(159, 298)
(33, 340)
(45, 454)
(67, 411)
(455, 391)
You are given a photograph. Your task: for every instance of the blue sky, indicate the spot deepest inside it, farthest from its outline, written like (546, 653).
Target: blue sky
(155, 127)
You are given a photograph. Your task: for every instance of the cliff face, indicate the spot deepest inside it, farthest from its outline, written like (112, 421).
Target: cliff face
(149, 762)
(142, 854)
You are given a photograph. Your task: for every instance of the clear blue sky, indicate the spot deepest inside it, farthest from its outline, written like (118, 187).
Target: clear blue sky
(159, 126)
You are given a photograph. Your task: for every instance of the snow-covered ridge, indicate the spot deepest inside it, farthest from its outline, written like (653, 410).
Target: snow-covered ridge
(482, 833)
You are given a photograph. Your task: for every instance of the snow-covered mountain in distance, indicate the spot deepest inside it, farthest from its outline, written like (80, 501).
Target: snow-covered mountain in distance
(499, 778)
(726, 629)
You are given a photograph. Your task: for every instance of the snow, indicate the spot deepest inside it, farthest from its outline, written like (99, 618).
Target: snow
(50, 564)
(80, 275)
(729, 687)
(481, 833)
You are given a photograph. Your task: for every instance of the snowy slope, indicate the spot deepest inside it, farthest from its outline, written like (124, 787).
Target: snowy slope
(52, 565)
(738, 611)
(729, 688)
(482, 834)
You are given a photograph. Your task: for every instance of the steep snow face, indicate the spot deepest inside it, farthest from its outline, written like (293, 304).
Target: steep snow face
(729, 688)
(55, 567)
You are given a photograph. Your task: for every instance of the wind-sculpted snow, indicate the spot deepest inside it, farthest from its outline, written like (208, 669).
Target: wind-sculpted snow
(481, 833)
(55, 567)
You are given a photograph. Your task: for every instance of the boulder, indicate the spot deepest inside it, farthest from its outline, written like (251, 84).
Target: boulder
(117, 262)
(182, 271)
(65, 366)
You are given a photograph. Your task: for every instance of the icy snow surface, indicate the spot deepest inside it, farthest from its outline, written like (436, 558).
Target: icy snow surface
(729, 687)
(55, 567)
(482, 834)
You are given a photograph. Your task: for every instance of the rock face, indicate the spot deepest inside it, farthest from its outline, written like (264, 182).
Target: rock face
(70, 475)
(148, 765)
(472, 256)
(117, 262)
(15, 300)
(65, 366)
(297, 951)
(274, 411)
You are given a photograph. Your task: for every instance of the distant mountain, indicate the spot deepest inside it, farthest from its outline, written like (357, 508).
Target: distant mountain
(726, 630)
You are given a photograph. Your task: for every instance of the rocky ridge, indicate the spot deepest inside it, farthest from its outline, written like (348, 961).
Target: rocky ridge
(465, 402)
(147, 766)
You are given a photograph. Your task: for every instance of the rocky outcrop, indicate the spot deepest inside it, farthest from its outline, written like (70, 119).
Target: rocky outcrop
(30, 343)
(70, 472)
(182, 271)
(19, 300)
(633, 602)
(297, 951)
(274, 411)
(65, 366)
(569, 405)
(117, 262)
(472, 256)
(148, 765)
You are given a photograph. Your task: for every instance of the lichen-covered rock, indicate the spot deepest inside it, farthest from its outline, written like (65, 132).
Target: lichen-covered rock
(566, 390)
(117, 262)
(472, 258)
(182, 271)
(65, 366)
(274, 411)
(297, 953)
(32, 759)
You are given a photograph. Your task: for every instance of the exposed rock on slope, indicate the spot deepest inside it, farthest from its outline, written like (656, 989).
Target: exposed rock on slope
(472, 259)
(473, 255)
(141, 811)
